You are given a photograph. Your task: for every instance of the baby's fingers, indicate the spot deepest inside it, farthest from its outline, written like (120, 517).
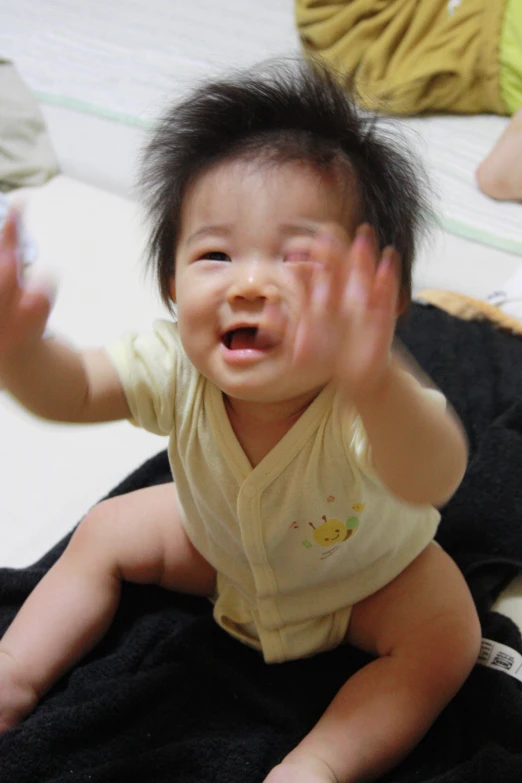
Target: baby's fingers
(9, 236)
(9, 265)
(26, 321)
(386, 287)
(24, 306)
(34, 308)
(327, 276)
(312, 318)
(364, 256)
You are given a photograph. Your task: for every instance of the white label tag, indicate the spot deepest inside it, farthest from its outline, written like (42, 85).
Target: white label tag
(500, 657)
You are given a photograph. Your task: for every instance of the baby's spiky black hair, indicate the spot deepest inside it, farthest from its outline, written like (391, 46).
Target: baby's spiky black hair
(286, 111)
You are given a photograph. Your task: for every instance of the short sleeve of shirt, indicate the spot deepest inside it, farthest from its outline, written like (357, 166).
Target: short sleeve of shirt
(147, 367)
(357, 441)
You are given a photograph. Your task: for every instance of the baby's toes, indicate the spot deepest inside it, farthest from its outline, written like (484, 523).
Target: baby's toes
(17, 698)
(308, 771)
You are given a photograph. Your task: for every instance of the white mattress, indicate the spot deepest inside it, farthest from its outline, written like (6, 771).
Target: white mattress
(52, 473)
(124, 58)
(452, 148)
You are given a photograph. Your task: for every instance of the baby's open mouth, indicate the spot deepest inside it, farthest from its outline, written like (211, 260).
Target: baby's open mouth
(248, 337)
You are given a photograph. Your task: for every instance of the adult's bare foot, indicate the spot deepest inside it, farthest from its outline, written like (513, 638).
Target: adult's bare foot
(500, 174)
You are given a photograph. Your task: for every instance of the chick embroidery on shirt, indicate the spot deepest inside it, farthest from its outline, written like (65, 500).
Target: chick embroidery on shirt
(332, 532)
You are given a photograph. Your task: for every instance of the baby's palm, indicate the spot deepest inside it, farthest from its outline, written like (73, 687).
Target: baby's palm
(350, 309)
(23, 310)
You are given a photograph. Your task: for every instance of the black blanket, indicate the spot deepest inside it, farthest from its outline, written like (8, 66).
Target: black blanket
(168, 697)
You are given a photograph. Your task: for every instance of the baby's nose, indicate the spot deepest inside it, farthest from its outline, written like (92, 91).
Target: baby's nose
(254, 282)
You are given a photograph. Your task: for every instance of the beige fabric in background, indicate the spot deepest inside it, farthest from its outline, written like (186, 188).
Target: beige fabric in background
(26, 155)
(470, 309)
(407, 56)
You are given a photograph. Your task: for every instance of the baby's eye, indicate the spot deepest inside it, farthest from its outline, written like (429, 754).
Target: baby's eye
(215, 255)
(297, 256)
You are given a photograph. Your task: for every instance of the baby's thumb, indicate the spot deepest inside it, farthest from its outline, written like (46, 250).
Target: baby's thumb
(42, 282)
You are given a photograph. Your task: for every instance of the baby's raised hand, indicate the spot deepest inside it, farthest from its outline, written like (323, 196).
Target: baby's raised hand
(350, 308)
(24, 309)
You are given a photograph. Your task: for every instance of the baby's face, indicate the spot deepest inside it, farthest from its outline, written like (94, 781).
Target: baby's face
(246, 229)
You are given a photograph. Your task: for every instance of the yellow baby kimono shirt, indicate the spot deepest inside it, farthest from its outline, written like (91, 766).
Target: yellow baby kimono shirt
(296, 540)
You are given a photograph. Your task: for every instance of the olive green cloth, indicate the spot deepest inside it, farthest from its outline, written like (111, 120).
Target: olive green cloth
(407, 56)
(510, 56)
(26, 154)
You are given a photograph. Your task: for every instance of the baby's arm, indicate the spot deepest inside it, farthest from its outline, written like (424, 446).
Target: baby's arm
(136, 537)
(47, 376)
(419, 447)
(348, 321)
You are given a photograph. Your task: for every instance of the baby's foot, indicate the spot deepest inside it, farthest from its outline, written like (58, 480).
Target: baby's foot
(500, 174)
(303, 770)
(17, 697)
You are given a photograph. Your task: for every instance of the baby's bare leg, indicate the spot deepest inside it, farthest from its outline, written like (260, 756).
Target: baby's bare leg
(500, 174)
(136, 537)
(425, 630)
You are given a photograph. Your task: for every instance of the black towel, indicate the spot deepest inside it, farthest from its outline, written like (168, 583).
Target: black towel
(168, 697)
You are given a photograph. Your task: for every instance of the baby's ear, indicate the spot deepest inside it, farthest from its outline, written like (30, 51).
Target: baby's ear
(402, 302)
(172, 289)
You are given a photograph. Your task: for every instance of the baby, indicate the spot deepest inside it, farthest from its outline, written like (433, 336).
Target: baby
(308, 458)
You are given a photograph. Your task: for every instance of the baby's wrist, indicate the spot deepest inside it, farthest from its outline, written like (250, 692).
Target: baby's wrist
(372, 393)
(20, 355)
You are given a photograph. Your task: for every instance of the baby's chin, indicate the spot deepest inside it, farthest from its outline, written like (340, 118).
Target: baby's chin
(256, 386)
(292, 401)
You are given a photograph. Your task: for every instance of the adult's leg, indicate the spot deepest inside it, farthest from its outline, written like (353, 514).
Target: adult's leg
(500, 174)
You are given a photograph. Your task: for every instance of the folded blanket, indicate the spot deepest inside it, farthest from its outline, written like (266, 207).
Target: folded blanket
(470, 308)
(168, 697)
